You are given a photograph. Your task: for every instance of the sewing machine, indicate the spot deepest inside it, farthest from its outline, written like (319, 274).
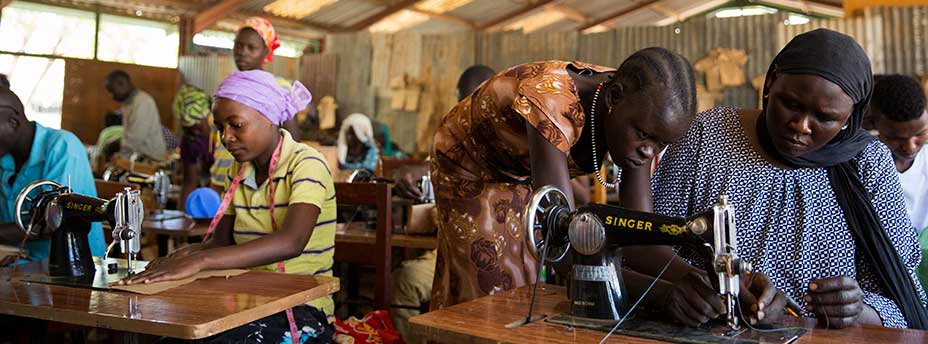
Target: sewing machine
(45, 207)
(592, 233)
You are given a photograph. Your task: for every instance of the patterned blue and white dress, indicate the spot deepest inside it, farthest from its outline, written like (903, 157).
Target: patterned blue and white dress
(789, 223)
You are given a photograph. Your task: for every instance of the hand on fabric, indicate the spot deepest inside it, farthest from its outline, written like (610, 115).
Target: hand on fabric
(692, 301)
(761, 302)
(837, 302)
(170, 269)
(179, 253)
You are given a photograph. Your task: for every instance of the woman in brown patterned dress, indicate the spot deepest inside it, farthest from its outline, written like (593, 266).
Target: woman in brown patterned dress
(533, 125)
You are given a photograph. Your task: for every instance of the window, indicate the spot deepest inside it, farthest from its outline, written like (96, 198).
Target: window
(226, 40)
(47, 30)
(39, 83)
(138, 41)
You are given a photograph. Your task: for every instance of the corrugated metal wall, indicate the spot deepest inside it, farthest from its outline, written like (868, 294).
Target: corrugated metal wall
(903, 36)
(206, 72)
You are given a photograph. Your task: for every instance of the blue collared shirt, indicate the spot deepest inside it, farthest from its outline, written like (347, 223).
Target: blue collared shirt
(56, 155)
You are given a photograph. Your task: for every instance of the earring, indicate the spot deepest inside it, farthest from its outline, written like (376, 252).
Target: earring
(844, 127)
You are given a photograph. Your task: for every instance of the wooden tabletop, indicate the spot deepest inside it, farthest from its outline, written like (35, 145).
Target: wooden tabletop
(178, 226)
(192, 311)
(484, 321)
(357, 235)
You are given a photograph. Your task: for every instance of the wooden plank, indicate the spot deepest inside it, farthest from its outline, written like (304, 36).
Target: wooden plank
(517, 13)
(484, 320)
(4, 3)
(212, 14)
(395, 7)
(380, 253)
(190, 311)
(286, 22)
(619, 14)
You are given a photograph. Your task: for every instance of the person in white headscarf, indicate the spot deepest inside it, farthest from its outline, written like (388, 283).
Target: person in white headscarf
(356, 145)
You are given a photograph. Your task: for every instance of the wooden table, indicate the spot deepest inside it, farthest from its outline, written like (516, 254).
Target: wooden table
(171, 229)
(192, 311)
(484, 320)
(355, 234)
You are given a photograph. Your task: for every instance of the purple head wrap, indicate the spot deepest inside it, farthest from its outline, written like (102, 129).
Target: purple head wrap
(260, 91)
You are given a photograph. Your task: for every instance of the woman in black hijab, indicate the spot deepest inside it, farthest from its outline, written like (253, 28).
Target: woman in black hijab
(819, 209)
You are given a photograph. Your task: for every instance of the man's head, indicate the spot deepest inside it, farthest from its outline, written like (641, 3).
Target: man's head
(12, 120)
(899, 108)
(119, 85)
(4, 81)
(472, 77)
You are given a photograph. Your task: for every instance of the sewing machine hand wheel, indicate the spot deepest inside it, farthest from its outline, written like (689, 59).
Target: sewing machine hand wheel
(24, 203)
(539, 218)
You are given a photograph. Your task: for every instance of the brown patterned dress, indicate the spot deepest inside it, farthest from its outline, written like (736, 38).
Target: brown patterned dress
(481, 172)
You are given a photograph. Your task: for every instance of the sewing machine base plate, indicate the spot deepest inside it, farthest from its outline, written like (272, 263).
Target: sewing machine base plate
(101, 279)
(643, 328)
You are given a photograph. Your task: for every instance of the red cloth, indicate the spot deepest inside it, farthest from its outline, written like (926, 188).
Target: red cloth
(375, 328)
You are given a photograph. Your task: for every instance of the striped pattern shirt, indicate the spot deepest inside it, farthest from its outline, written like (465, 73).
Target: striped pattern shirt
(302, 176)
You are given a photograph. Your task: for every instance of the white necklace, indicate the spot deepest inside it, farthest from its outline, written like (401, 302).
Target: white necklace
(599, 177)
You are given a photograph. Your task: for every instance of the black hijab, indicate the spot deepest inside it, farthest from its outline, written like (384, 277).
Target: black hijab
(839, 59)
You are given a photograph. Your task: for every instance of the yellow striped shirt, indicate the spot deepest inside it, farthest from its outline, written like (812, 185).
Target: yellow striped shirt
(302, 176)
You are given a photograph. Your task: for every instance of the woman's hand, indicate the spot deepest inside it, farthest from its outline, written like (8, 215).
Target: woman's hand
(170, 269)
(837, 302)
(761, 302)
(692, 301)
(179, 253)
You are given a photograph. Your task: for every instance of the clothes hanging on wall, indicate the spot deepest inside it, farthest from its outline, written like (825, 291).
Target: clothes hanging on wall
(723, 68)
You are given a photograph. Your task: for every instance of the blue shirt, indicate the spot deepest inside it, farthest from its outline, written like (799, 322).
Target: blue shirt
(55, 155)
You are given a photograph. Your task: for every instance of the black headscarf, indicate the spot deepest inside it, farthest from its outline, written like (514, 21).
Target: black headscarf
(839, 59)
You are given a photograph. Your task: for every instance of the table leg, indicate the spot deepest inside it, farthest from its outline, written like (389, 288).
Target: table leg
(162, 245)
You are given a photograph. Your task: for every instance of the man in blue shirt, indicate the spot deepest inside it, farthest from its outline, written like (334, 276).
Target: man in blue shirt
(30, 152)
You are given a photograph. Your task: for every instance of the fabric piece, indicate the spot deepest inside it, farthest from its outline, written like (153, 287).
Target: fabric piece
(481, 173)
(302, 176)
(839, 59)
(789, 224)
(374, 328)
(274, 329)
(259, 90)
(56, 155)
(264, 29)
(191, 105)
(922, 271)
(142, 127)
(154, 288)
(915, 188)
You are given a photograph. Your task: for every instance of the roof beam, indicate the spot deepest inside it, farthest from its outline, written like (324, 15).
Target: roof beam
(692, 11)
(569, 12)
(386, 12)
(445, 17)
(214, 13)
(289, 22)
(4, 3)
(619, 14)
(525, 9)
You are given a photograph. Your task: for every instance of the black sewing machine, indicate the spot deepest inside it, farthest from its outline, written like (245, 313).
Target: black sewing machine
(593, 233)
(45, 207)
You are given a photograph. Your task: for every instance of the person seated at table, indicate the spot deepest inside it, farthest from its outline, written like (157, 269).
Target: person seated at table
(818, 205)
(191, 107)
(356, 146)
(142, 132)
(382, 138)
(281, 214)
(109, 137)
(31, 152)
(899, 111)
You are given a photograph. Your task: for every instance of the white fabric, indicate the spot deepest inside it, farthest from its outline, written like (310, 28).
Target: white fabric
(363, 130)
(915, 188)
